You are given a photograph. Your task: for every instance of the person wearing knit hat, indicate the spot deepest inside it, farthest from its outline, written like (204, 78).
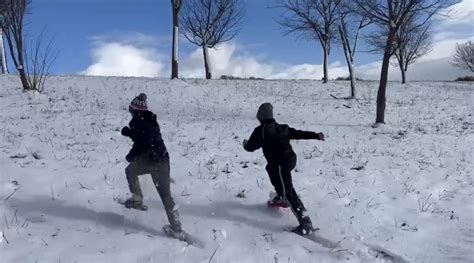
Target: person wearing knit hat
(139, 103)
(149, 156)
(274, 139)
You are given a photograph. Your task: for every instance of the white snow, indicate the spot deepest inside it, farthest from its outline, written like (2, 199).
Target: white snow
(402, 192)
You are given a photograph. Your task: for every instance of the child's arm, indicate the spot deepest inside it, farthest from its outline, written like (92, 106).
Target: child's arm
(305, 135)
(126, 131)
(255, 140)
(134, 153)
(131, 131)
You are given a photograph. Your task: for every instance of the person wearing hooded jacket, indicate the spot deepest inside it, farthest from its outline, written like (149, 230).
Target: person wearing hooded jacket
(148, 156)
(274, 139)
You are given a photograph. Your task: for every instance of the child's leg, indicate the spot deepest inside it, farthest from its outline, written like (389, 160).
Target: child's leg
(274, 174)
(161, 178)
(133, 170)
(295, 202)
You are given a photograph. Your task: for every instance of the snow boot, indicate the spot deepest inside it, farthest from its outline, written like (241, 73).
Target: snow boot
(305, 227)
(175, 233)
(278, 201)
(135, 204)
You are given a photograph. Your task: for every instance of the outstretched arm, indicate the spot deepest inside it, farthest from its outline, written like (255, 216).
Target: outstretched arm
(255, 141)
(305, 135)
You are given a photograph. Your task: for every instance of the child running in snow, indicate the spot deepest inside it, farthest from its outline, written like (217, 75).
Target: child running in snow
(148, 156)
(274, 139)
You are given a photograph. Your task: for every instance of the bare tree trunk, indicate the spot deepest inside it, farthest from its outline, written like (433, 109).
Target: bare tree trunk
(13, 19)
(3, 58)
(404, 75)
(325, 63)
(350, 67)
(353, 80)
(174, 60)
(348, 53)
(403, 69)
(24, 79)
(207, 62)
(21, 64)
(18, 60)
(384, 78)
(382, 88)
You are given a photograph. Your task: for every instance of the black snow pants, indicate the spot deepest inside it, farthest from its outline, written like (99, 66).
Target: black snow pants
(280, 176)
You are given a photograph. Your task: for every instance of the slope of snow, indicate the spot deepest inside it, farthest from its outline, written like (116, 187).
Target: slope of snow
(400, 193)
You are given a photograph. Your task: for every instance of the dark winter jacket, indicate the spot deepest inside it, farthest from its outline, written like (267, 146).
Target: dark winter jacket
(275, 139)
(146, 136)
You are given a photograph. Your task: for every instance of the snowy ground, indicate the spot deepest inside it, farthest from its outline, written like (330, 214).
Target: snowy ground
(399, 193)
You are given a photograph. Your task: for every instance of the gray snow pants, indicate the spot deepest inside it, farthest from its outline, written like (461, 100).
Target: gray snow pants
(160, 173)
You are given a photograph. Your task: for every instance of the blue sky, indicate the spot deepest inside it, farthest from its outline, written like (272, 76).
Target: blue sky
(92, 34)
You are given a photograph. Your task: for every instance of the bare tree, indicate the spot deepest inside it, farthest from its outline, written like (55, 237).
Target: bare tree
(32, 63)
(464, 56)
(411, 43)
(13, 25)
(392, 14)
(38, 60)
(313, 19)
(176, 6)
(207, 23)
(3, 58)
(350, 26)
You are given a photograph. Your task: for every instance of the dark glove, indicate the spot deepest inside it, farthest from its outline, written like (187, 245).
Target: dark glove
(244, 143)
(320, 136)
(130, 158)
(125, 131)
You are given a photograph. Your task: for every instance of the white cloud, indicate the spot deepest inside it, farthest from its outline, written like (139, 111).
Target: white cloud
(117, 59)
(443, 48)
(225, 61)
(432, 70)
(439, 69)
(310, 71)
(460, 13)
(229, 59)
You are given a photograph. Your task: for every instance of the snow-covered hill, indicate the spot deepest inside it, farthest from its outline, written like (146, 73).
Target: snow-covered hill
(399, 193)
